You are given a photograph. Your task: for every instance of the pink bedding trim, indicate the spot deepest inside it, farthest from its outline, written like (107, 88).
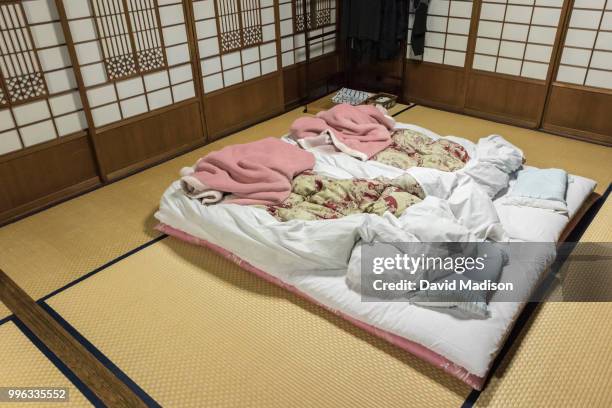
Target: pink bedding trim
(416, 349)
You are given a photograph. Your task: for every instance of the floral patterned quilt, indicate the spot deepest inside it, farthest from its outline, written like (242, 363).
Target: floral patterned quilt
(414, 149)
(316, 197)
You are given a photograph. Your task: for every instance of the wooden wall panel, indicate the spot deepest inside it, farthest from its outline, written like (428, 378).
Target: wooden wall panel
(506, 99)
(240, 106)
(149, 139)
(580, 113)
(320, 71)
(434, 84)
(44, 175)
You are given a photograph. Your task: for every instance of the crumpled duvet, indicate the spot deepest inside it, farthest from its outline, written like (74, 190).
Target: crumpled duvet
(414, 149)
(314, 196)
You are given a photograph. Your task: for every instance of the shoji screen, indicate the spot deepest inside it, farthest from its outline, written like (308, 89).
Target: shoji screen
(39, 101)
(446, 45)
(44, 148)
(321, 21)
(517, 38)
(238, 48)
(580, 101)
(515, 41)
(448, 29)
(134, 59)
(293, 43)
(133, 55)
(236, 40)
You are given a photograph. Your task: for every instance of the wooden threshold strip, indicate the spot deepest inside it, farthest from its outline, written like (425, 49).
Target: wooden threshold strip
(108, 388)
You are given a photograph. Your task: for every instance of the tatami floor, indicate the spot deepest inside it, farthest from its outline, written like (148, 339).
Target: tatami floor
(182, 326)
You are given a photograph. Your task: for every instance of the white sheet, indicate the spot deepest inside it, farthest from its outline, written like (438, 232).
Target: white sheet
(313, 255)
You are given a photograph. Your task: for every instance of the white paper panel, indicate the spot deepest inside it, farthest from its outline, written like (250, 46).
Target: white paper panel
(223, 69)
(517, 37)
(293, 45)
(112, 101)
(59, 112)
(587, 53)
(448, 28)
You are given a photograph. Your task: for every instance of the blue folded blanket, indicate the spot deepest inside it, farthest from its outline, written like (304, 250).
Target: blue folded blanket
(543, 184)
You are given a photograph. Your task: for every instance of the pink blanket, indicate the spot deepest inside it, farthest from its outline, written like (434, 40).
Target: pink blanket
(253, 173)
(361, 131)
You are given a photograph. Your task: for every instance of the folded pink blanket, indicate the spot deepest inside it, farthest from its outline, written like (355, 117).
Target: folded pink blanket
(254, 173)
(360, 131)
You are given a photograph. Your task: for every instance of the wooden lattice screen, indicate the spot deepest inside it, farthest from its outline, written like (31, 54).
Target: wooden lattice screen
(21, 79)
(320, 9)
(129, 32)
(239, 24)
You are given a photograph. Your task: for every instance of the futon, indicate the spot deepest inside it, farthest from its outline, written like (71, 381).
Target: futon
(311, 258)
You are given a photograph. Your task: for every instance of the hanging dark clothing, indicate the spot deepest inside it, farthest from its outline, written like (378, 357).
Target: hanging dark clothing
(419, 28)
(376, 29)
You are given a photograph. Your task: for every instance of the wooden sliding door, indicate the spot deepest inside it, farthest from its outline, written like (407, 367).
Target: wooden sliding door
(534, 63)
(138, 78)
(514, 47)
(44, 148)
(580, 100)
(321, 23)
(438, 77)
(238, 52)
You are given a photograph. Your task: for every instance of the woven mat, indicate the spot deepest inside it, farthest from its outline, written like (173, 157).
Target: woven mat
(541, 149)
(193, 329)
(564, 355)
(23, 365)
(562, 359)
(52, 248)
(4, 311)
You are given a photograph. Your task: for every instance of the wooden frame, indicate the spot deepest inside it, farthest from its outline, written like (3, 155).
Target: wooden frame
(129, 33)
(320, 9)
(239, 24)
(21, 76)
(573, 110)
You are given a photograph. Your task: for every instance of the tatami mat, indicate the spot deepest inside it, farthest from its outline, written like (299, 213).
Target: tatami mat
(4, 311)
(52, 248)
(601, 228)
(193, 329)
(563, 357)
(541, 149)
(23, 365)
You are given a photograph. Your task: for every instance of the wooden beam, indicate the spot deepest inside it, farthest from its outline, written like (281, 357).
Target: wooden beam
(106, 386)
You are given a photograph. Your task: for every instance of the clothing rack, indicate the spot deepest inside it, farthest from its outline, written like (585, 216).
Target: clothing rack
(349, 63)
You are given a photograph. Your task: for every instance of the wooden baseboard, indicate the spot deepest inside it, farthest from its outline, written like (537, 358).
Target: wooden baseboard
(47, 174)
(47, 201)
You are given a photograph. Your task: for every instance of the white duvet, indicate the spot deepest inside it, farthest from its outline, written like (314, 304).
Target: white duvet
(314, 256)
